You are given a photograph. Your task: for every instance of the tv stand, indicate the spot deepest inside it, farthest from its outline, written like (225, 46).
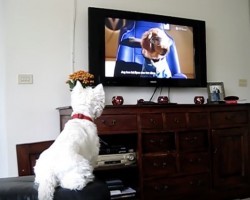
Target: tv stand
(183, 151)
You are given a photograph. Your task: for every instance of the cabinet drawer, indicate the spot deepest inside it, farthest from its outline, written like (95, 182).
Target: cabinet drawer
(194, 162)
(177, 188)
(198, 120)
(175, 121)
(193, 141)
(159, 165)
(151, 121)
(229, 118)
(158, 142)
(116, 123)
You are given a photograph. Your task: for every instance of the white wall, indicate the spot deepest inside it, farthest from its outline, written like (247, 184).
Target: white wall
(39, 41)
(3, 138)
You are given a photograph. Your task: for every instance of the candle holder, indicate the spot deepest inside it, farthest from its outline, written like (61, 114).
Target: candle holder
(117, 100)
(199, 100)
(163, 100)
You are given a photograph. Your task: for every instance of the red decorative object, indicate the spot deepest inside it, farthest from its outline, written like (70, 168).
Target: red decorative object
(231, 99)
(199, 100)
(163, 99)
(117, 100)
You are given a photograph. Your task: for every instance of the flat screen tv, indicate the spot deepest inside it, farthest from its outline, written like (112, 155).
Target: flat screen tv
(138, 49)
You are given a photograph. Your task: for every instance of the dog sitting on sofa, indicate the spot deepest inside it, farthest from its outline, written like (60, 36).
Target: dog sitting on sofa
(70, 160)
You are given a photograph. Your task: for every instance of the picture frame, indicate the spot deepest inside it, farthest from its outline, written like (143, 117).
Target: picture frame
(216, 91)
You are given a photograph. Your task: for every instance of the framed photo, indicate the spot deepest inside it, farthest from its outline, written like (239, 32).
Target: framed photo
(216, 91)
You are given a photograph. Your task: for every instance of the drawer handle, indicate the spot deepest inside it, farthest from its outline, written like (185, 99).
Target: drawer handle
(177, 121)
(197, 160)
(191, 139)
(113, 122)
(164, 164)
(165, 187)
(196, 183)
(230, 117)
(200, 182)
(152, 141)
(161, 141)
(152, 121)
(158, 188)
(199, 117)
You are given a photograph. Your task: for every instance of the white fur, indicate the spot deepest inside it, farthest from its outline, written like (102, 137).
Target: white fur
(70, 160)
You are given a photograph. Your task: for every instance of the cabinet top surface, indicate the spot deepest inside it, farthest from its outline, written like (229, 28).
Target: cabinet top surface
(167, 106)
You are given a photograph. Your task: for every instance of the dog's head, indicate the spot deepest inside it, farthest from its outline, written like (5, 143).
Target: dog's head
(155, 44)
(88, 100)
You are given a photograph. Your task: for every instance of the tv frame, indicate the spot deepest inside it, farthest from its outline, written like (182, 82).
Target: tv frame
(96, 46)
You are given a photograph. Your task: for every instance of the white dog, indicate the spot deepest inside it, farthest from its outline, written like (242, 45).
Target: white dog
(70, 160)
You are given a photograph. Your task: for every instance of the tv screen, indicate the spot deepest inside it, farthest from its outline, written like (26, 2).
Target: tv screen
(139, 49)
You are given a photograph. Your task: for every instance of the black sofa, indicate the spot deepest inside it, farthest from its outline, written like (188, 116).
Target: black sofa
(23, 188)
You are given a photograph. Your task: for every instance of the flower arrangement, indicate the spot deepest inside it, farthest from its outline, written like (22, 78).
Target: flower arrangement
(85, 78)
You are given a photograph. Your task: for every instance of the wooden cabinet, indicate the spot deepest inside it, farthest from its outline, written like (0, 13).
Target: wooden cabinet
(230, 157)
(230, 148)
(183, 151)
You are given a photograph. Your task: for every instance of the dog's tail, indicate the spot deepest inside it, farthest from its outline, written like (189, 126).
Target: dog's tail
(46, 187)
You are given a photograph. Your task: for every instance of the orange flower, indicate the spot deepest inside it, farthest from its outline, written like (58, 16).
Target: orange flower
(85, 78)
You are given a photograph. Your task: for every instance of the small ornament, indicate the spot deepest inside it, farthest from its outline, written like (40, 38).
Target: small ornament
(163, 100)
(117, 100)
(199, 100)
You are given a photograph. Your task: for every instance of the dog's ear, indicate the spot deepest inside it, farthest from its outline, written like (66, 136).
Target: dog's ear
(99, 93)
(78, 87)
(99, 96)
(99, 88)
(77, 97)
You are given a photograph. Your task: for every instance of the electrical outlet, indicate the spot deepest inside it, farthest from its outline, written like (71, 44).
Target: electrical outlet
(25, 78)
(243, 82)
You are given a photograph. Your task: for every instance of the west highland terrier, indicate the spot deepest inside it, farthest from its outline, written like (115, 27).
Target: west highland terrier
(70, 160)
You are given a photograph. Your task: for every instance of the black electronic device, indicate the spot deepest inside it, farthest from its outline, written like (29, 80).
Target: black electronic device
(115, 49)
(114, 149)
(115, 184)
